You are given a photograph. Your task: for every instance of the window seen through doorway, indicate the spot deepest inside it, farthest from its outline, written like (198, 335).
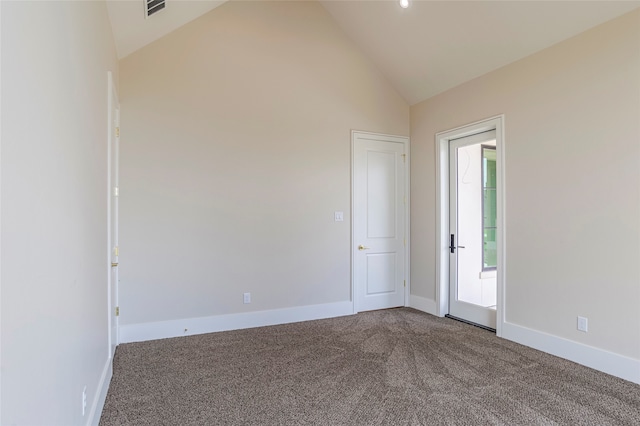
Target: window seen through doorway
(489, 246)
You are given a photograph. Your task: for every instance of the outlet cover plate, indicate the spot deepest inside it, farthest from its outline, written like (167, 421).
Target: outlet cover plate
(583, 324)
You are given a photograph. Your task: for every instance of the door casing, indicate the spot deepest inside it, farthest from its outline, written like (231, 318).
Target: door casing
(113, 119)
(407, 261)
(442, 213)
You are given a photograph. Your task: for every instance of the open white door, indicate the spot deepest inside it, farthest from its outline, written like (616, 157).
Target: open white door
(472, 229)
(379, 246)
(470, 218)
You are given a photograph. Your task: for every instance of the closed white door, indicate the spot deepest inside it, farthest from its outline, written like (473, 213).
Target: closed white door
(473, 226)
(379, 214)
(114, 251)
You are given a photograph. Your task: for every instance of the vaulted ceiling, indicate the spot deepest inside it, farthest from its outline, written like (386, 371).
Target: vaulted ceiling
(423, 50)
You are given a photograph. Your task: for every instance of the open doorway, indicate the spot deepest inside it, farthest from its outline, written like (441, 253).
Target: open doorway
(472, 229)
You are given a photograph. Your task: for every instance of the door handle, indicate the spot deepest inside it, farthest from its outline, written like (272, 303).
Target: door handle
(114, 264)
(452, 245)
(361, 247)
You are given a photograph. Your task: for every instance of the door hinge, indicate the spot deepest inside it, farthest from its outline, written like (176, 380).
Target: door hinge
(117, 132)
(115, 191)
(404, 158)
(405, 283)
(117, 311)
(116, 251)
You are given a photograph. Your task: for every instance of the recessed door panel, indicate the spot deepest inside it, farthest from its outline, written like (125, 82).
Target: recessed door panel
(381, 194)
(381, 273)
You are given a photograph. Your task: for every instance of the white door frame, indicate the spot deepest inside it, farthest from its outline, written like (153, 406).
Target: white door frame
(407, 262)
(112, 98)
(442, 213)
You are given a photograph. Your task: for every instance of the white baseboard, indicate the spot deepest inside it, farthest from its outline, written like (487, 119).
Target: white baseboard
(101, 394)
(191, 326)
(423, 304)
(598, 359)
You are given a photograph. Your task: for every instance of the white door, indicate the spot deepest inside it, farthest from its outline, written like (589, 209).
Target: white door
(473, 226)
(114, 141)
(379, 220)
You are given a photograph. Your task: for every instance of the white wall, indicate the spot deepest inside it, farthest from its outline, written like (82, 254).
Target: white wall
(55, 57)
(235, 154)
(572, 170)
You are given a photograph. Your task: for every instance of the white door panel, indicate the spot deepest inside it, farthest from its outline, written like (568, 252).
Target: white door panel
(381, 193)
(379, 251)
(381, 273)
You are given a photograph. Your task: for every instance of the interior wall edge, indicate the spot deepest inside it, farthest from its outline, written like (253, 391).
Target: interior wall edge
(101, 394)
(423, 304)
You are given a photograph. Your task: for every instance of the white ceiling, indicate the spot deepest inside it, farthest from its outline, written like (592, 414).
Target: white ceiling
(435, 45)
(426, 49)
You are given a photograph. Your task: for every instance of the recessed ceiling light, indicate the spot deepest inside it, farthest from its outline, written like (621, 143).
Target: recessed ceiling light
(404, 4)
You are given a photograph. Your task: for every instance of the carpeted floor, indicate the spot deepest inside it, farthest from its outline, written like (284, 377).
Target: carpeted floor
(391, 367)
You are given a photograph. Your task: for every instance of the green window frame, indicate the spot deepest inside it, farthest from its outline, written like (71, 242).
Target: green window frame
(489, 209)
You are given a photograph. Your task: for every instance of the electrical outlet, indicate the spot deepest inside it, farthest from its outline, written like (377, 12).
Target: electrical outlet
(84, 400)
(582, 324)
(338, 216)
(247, 298)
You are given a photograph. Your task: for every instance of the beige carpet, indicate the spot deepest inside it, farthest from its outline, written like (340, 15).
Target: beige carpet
(391, 367)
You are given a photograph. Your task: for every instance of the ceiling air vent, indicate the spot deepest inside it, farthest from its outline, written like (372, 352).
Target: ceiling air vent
(153, 6)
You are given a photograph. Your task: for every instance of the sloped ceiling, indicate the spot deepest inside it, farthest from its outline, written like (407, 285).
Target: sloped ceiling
(424, 50)
(132, 31)
(435, 45)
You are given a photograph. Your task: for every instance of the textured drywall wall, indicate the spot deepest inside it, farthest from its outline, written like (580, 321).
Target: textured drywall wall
(572, 173)
(235, 153)
(55, 58)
